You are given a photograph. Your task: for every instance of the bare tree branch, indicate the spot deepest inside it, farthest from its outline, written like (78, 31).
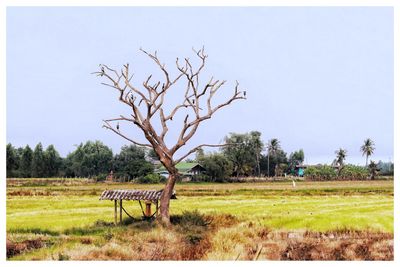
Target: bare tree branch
(153, 95)
(107, 125)
(195, 123)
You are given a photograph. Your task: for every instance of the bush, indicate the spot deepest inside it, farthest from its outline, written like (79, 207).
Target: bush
(151, 178)
(319, 173)
(353, 172)
(218, 167)
(101, 177)
(326, 172)
(189, 219)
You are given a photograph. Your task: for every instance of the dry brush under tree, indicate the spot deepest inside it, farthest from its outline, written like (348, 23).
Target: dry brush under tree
(147, 103)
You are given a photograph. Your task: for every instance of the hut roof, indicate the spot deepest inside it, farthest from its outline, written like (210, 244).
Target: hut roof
(183, 167)
(151, 195)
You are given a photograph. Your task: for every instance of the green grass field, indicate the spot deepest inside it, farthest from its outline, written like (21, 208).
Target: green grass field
(64, 207)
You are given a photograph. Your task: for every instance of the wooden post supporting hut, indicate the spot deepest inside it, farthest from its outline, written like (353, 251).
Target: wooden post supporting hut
(148, 196)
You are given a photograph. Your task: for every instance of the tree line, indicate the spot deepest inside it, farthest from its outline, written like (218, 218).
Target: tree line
(249, 156)
(90, 159)
(95, 159)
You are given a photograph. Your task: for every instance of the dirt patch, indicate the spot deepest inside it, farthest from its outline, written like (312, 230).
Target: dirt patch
(15, 248)
(250, 241)
(29, 193)
(342, 245)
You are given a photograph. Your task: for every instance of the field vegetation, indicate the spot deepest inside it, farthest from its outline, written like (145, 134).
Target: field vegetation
(63, 219)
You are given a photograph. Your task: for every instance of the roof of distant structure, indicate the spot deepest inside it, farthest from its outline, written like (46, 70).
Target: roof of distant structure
(120, 194)
(184, 167)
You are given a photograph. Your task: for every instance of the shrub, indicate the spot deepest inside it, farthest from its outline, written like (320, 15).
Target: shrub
(151, 178)
(353, 172)
(189, 219)
(101, 177)
(218, 167)
(320, 172)
(326, 172)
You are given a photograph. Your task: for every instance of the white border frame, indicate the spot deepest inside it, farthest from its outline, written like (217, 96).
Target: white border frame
(4, 4)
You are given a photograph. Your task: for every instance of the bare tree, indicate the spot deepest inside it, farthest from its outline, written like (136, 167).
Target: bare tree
(148, 102)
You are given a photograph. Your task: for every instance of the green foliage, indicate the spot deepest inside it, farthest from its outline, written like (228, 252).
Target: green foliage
(373, 169)
(353, 172)
(38, 162)
(244, 152)
(326, 172)
(101, 177)
(131, 163)
(90, 159)
(280, 169)
(341, 155)
(151, 178)
(53, 161)
(273, 146)
(152, 154)
(189, 219)
(320, 172)
(199, 154)
(367, 148)
(12, 162)
(217, 166)
(257, 147)
(385, 168)
(275, 159)
(26, 162)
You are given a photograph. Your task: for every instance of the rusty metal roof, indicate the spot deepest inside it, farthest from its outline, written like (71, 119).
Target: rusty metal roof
(151, 195)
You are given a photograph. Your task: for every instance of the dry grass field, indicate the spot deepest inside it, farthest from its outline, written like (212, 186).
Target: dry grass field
(63, 219)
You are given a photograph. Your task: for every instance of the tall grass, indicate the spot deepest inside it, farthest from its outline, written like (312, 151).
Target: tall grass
(209, 221)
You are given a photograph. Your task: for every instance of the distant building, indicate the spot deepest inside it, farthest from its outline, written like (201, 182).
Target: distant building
(186, 169)
(299, 170)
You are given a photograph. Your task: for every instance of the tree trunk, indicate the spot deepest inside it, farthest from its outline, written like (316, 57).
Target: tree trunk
(166, 195)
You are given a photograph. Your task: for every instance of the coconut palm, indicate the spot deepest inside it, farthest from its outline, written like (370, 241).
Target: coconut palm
(256, 145)
(340, 158)
(272, 148)
(373, 169)
(367, 149)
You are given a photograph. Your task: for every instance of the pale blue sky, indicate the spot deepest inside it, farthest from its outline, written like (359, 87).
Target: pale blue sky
(316, 78)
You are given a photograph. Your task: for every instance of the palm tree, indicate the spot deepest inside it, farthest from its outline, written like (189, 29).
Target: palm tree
(373, 169)
(273, 146)
(367, 149)
(340, 158)
(257, 146)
